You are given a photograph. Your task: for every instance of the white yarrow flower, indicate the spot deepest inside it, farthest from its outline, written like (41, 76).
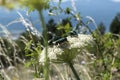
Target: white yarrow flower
(75, 42)
(52, 53)
(80, 41)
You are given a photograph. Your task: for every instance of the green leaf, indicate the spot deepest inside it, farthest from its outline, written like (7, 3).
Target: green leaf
(60, 28)
(28, 64)
(67, 28)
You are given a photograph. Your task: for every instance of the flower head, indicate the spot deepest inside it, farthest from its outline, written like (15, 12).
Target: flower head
(79, 41)
(74, 43)
(52, 53)
(36, 4)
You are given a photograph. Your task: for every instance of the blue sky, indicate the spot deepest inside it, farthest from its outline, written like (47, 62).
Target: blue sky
(115, 0)
(88, 0)
(100, 10)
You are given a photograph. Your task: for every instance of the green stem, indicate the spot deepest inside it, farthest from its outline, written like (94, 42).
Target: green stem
(36, 73)
(74, 71)
(46, 66)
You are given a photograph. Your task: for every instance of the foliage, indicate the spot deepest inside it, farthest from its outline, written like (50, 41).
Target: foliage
(101, 28)
(33, 52)
(105, 49)
(96, 60)
(36, 4)
(8, 3)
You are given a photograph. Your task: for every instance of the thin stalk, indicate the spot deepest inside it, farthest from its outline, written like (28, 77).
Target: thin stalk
(46, 66)
(74, 71)
(58, 70)
(36, 73)
(113, 61)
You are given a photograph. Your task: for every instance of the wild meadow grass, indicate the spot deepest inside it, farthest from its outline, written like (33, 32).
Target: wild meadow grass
(71, 53)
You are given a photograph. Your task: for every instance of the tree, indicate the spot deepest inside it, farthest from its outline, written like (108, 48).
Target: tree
(115, 25)
(101, 28)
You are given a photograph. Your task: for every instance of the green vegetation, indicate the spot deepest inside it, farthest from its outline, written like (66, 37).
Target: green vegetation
(60, 52)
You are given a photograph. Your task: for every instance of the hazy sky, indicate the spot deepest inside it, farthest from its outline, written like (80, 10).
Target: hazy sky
(100, 10)
(87, 0)
(115, 0)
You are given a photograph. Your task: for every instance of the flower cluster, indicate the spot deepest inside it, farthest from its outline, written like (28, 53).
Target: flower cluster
(75, 42)
(79, 41)
(36, 4)
(52, 53)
